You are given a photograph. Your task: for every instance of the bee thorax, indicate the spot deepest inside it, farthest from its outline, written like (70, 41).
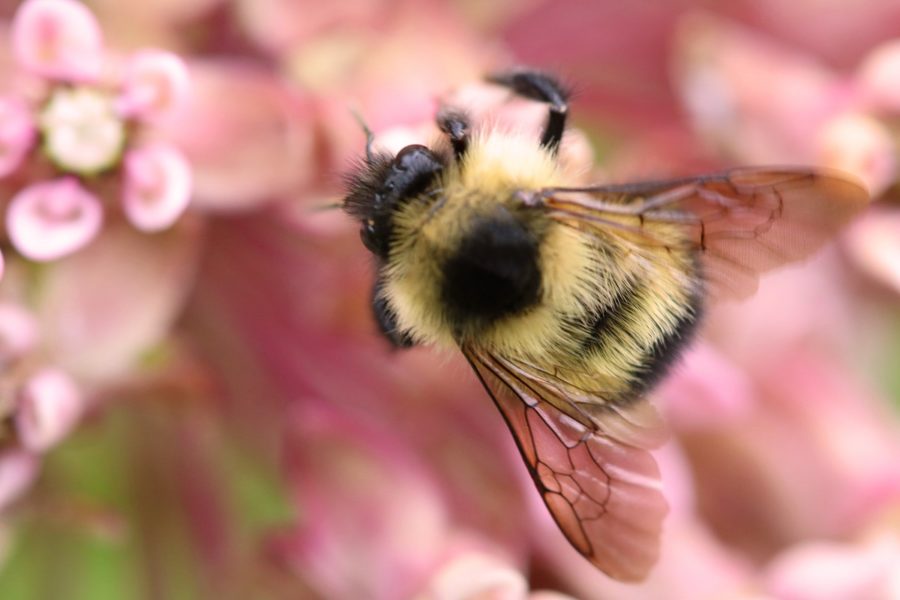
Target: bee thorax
(493, 272)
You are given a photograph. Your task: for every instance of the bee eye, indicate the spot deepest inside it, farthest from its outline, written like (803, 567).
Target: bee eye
(419, 162)
(369, 239)
(412, 170)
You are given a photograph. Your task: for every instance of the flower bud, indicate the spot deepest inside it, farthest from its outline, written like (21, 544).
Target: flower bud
(51, 219)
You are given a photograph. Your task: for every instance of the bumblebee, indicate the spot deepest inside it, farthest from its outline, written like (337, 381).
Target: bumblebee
(570, 303)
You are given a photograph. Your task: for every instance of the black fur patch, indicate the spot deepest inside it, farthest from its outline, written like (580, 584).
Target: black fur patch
(387, 319)
(667, 350)
(658, 359)
(494, 271)
(605, 318)
(362, 182)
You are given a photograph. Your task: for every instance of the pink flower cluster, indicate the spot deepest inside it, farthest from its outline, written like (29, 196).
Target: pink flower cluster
(41, 401)
(76, 133)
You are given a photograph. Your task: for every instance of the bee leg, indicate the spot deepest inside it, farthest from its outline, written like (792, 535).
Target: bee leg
(387, 319)
(544, 88)
(455, 124)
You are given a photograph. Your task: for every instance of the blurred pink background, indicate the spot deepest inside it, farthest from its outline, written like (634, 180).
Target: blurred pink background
(196, 403)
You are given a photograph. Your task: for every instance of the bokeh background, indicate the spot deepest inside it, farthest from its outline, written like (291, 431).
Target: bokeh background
(195, 401)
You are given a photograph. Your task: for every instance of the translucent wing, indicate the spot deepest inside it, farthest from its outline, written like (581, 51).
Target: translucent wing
(590, 463)
(740, 222)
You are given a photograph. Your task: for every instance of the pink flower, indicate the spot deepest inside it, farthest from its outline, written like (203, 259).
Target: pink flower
(727, 74)
(157, 187)
(762, 102)
(17, 134)
(834, 571)
(49, 406)
(18, 470)
(256, 147)
(879, 77)
(42, 403)
(91, 123)
(476, 574)
(51, 219)
(58, 39)
(373, 521)
(154, 83)
(874, 246)
(18, 332)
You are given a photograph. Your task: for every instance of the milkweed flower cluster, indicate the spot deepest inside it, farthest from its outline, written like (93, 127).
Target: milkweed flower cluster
(77, 133)
(76, 150)
(41, 401)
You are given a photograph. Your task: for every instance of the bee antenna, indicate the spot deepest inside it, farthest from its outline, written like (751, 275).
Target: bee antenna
(370, 137)
(324, 207)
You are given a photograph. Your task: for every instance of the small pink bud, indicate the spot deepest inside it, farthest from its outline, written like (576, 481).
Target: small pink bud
(860, 145)
(155, 82)
(879, 76)
(821, 570)
(18, 470)
(18, 331)
(17, 134)
(58, 39)
(51, 219)
(874, 243)
(49, 406)
(476, 575)
(157, 186)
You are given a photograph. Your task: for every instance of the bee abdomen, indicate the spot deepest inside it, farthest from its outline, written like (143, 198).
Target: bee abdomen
(493, 272)
(669, 346)
(612, 336)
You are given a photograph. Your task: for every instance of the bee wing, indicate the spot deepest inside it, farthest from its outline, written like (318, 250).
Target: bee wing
(592, 467)
(741, 222)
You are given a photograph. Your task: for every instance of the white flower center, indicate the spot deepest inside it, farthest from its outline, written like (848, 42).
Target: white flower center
(81, 130)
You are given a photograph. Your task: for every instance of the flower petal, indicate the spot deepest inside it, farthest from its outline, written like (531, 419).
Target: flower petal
(821, 570)
(51, 219)
(18, 332)
(18, 470)
(250, 149)
(17, 134)
(49, 406)
(58, 39)
(157, 186)
(477, 575)
(879, 76)
(155, 82)
(101, 309)
(707, 391)
(861, 145)
(725, 74)
(873, 242)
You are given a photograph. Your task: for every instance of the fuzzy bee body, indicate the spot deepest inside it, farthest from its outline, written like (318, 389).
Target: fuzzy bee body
(472, 263)
(571, 302)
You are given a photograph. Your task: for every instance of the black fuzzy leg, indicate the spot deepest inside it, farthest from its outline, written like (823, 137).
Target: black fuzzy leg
(544, 88)
(455, 124)
(387, 319)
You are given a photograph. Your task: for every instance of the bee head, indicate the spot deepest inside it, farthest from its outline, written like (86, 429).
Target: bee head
(383, 184)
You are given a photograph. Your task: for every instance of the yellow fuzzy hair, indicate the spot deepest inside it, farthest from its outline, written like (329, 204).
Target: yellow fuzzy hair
(582, 272)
